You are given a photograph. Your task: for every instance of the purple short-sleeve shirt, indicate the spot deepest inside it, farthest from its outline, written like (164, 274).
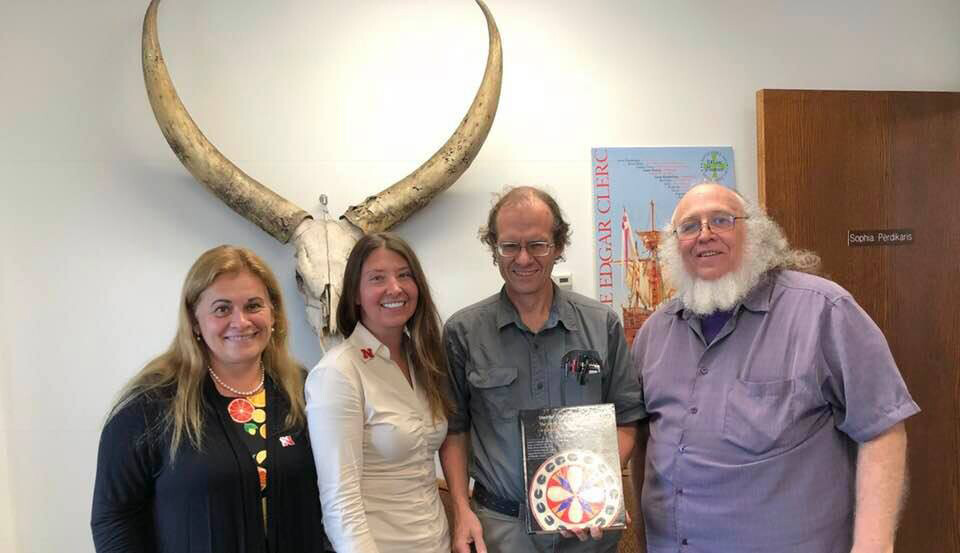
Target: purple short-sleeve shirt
(753, 438)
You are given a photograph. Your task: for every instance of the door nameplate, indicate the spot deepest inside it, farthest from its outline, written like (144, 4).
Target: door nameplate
(883, 237)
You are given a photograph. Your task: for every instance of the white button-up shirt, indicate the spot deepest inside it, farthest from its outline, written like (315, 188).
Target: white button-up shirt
(374, 442)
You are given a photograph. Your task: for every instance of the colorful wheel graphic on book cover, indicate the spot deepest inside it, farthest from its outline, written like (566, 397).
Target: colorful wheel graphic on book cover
(575, 489)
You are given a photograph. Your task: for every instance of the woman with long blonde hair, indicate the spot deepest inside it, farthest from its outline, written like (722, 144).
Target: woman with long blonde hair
(206, 449)
(377, 401)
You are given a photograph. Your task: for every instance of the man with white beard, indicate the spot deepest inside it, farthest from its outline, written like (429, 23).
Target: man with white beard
(775, 408)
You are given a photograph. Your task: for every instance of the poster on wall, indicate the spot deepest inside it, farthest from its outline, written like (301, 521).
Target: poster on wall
(635, 191)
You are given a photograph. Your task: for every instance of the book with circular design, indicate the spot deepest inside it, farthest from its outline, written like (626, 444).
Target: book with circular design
(572, 468)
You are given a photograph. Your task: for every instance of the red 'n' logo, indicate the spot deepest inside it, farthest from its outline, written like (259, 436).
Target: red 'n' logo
(367, 353)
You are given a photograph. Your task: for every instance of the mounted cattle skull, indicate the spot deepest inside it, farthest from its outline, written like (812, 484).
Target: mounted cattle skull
(322, 245)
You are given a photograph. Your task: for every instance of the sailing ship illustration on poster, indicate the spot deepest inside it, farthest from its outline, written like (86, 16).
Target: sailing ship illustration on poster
(642, 274)
(640, 188)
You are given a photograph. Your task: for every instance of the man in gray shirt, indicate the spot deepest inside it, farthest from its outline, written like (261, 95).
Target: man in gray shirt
(505, 355)
(775, 407)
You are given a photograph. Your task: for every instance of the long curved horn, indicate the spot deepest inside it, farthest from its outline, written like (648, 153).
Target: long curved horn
(269, 211)
(402, 199)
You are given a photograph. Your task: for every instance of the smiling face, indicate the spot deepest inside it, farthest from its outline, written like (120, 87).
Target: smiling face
(234, 317)
(711, 255)
(388, 293)
(522, 223)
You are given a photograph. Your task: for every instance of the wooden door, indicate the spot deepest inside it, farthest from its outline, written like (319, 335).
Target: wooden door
(832, 162)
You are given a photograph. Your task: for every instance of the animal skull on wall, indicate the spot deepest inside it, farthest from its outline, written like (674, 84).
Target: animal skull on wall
(322, 246)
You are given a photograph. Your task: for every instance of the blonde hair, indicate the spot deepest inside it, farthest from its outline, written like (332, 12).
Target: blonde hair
(427, 355)
(177, 376)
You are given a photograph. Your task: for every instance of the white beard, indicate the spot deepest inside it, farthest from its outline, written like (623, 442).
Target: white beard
(704, 297)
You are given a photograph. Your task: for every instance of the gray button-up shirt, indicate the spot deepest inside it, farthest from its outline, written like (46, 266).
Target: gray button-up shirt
(497, 367)
(753, 437)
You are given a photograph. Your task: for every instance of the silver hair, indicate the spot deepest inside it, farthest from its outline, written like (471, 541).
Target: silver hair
(765, 249)
(772, 243)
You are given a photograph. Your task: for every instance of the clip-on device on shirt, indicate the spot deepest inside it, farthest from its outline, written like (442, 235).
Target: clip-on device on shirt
(581, 363)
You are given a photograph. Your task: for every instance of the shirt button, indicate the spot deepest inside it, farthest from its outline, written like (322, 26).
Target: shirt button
(704, 370)
(694, 410)
(683, 541)
(683, 449)
(679, 491)
(539, 385)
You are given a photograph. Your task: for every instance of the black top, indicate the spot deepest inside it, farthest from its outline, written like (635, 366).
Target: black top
(209, 501)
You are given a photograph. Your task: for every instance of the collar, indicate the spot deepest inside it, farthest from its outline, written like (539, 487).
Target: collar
(757, 299)
(367, 344)
(561, 311)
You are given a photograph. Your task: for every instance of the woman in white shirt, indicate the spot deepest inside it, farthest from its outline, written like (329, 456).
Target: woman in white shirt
(376, 409)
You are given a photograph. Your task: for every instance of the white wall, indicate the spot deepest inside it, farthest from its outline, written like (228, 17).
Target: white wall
(101, 222)
(7, 512)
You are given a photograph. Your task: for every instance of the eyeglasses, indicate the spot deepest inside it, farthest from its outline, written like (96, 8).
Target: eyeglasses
(716, 222)
(539, 248)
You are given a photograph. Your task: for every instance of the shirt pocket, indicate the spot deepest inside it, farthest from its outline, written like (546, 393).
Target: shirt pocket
(588, 393)
(759, 417)
(493, 390)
